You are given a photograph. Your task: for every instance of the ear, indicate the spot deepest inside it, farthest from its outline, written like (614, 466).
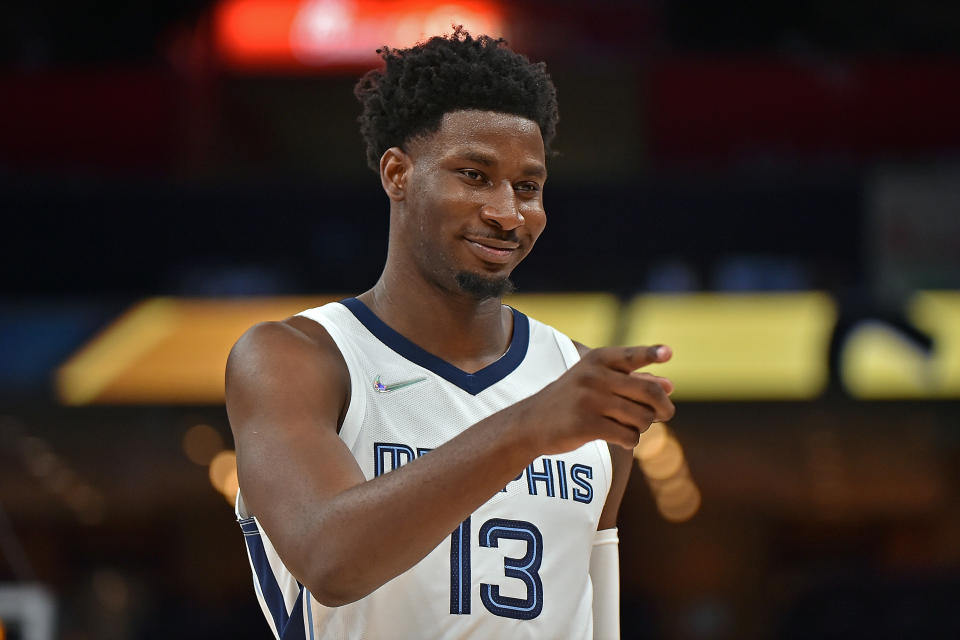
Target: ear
(395, 166)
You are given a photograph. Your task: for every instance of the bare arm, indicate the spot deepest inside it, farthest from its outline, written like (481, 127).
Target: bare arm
(287, 388)
(622, 465)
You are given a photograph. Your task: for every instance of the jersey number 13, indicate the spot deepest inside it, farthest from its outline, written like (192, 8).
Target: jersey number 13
(525, 569)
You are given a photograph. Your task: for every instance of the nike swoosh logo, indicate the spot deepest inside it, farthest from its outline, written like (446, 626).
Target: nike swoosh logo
(386, 388)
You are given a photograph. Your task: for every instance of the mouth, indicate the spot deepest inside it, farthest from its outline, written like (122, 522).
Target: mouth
(493, 249)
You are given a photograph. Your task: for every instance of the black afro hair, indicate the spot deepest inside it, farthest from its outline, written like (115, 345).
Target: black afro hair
(418, 85)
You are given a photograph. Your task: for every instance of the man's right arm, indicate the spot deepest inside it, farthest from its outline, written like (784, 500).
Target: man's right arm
(287, 385)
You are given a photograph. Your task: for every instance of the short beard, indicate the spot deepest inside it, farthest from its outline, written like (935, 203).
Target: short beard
(482, 288)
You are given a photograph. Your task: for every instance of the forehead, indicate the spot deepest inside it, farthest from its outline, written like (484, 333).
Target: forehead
(491, 131)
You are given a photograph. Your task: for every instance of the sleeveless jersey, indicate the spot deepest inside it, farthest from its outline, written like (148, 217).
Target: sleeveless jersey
(518, 567)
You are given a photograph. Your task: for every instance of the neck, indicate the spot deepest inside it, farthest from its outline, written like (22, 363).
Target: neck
(466, 332)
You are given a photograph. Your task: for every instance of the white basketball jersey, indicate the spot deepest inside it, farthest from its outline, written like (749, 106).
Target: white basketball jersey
(518, 567)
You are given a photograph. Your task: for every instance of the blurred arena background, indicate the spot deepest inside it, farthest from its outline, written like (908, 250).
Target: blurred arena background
(771, 188)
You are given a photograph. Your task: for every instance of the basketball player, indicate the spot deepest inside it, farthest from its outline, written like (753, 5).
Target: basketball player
(422, 461)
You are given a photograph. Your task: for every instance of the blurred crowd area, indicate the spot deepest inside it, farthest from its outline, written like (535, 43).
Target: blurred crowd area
(167, 159)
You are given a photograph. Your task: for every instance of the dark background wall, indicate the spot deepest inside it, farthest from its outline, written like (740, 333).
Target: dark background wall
(703, 146)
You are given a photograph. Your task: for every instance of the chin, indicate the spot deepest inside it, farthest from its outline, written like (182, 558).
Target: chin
(482, 286)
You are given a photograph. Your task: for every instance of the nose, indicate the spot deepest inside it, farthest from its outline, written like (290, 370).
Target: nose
(501, 210)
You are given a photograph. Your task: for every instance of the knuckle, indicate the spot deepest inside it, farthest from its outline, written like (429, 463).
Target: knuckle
(594, 355)
(640, 415)
(635, 414)
(651, 388)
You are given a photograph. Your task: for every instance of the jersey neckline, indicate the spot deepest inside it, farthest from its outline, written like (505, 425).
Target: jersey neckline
(472, 383)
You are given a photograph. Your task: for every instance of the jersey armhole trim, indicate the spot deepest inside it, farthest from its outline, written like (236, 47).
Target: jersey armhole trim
(353, 419)
(568, 350)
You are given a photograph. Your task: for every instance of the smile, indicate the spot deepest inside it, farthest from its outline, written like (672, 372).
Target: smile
(492, 250)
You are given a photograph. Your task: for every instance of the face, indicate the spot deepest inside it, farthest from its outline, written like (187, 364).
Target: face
(473, 200)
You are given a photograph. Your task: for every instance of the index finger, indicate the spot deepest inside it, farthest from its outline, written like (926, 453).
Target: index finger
(629, 359)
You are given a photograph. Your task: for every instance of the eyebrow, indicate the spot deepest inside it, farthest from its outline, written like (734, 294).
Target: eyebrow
(535, 170)
(479, 158)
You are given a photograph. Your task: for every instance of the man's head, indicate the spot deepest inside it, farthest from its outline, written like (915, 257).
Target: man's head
(418, 85)
(458, 129)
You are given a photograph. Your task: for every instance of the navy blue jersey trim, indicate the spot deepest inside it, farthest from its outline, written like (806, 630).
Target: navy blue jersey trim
(289, 625)
(294, 629)
(472, 383)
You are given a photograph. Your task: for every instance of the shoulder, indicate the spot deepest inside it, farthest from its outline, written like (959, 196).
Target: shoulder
(291, 341)
(284, 357)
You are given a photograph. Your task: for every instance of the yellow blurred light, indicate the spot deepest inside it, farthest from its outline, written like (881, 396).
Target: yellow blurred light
(878, 362)
(881, 363)
(733, 346)
(168, 350)
(680, 511)
(221, 467)
(677, 483)
(667, 462)
(679, 494)
(201, 442)
(588, 318)
(651, 442)
(661, 459)
(727, 346)
(230, 486)
(938, 313)
(109, 355)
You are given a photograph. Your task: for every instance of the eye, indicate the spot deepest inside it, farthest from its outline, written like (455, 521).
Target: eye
(527, 187)
(472, 174)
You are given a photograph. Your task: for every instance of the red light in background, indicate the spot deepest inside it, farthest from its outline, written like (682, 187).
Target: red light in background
(304, 34)
(255, 32)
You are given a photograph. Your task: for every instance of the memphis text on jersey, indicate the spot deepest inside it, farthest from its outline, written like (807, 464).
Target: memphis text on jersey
(544, 476)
